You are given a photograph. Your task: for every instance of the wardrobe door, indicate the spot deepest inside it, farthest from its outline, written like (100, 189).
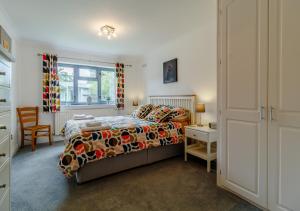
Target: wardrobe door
(243, 84)
(284, 100)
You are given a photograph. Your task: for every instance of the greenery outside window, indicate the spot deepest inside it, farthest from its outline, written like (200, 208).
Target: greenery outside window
(86, 85)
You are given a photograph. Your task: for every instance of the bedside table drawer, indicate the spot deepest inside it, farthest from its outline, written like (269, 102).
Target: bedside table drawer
(199, 135)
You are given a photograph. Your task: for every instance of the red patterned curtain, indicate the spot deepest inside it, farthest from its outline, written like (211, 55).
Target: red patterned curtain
(120, 86)
(51, 89)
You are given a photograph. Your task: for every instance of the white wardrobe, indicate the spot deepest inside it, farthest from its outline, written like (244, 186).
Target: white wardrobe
(5, 125)
(259, 101)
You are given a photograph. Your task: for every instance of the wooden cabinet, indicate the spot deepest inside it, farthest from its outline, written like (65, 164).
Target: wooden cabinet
(5, 125)
(4, 75)
(259, 102)
(4, 178)
(4, 202)
(4, 150)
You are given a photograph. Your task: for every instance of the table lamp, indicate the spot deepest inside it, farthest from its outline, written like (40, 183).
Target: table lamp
(135, 102)
(200, 108)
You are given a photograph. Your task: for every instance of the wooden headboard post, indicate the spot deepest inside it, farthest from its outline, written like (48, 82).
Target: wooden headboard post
(186, 101)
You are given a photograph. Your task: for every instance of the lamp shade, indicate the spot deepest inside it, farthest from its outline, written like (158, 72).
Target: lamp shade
(135, 102)
(200, 108)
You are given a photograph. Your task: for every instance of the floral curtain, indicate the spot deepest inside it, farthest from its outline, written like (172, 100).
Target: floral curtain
(51, 89)
(120, 86)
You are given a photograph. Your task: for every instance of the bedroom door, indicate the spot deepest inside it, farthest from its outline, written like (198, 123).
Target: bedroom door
(284, 100)
(243, 92)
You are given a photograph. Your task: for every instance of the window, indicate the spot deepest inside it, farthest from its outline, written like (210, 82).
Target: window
(81, 85)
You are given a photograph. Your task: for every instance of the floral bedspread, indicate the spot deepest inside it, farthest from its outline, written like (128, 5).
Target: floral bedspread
(126, 135)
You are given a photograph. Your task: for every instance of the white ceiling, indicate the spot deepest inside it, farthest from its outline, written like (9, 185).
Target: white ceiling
(141, 24)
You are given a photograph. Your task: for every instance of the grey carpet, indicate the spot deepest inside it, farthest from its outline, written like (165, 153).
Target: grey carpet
(38, 185)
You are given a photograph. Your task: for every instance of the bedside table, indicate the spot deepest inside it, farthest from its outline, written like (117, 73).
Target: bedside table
(204, 135)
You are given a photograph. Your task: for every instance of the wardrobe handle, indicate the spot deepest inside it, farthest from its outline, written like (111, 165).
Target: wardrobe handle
(3, 186)
(3, 127)
(2, 73)
(2, 155)
(2, 100)
(262, 113)
(272, 113)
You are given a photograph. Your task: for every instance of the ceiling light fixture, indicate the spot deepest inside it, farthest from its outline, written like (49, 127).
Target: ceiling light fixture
(107, 31)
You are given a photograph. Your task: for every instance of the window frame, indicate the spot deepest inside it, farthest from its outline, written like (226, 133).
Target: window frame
(77, 77)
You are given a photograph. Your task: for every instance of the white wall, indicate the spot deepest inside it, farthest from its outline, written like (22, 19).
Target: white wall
(6, 23)
(30, 75)
(197, 57)
(197, 63)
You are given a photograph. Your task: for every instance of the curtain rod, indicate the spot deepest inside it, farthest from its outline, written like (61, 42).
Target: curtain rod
(63, 57)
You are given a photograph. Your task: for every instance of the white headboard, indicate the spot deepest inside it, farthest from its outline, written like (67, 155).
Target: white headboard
(186, 101)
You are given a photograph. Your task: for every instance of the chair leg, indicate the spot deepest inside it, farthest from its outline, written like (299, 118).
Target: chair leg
(33, 140)
(50, 135)
(22, 138)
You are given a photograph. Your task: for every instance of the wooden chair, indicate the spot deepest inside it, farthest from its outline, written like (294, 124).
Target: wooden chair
(29, 122)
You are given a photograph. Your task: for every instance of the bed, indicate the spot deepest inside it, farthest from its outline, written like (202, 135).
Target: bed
(128, 142)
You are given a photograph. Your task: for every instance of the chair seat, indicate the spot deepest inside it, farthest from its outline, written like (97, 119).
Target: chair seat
(37, 127)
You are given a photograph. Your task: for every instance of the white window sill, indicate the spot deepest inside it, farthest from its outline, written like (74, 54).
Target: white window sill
(96, 106)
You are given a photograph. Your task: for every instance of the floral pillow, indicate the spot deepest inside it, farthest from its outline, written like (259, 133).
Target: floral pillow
(142, 111)
(158, 114)
(161, 105)
(177, 113)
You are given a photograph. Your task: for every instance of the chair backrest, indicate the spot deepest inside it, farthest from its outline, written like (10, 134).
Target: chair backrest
(28, 116)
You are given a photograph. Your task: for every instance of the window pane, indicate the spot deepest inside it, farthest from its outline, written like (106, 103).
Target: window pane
(89, 73)
(87, 89)
(66, 77)
(108, 90)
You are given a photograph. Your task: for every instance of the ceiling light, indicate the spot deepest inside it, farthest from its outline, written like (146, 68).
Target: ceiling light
(107, 31)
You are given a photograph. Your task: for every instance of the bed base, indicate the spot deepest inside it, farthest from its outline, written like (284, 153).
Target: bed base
(124, 162)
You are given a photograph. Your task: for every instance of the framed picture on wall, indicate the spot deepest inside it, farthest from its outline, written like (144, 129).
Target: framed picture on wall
(5, 40)
(170, 71)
